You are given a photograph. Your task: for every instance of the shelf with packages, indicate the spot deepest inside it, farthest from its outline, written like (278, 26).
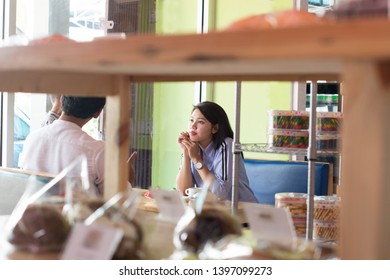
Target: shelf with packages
(356, 52)
(290, 133)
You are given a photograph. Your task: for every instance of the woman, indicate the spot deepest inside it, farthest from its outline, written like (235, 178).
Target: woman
(207, 158)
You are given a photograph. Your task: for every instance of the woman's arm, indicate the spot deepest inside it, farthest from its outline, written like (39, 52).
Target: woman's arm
(184, 177)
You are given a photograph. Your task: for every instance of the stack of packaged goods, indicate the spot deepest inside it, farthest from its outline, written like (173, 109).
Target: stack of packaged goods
(297, 205)
(328, 140)
(328, 130)
(326, 215)
(288, 129)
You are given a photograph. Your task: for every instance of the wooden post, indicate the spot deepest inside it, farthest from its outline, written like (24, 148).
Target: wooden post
(365, 180)
(117, 138)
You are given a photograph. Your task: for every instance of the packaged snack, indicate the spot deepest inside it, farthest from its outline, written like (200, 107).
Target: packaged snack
(43, 217)
(41, 227)
(328, 142)
(283, 119)
(326, 217)
(326, 208)
(297, 205)
(213, 223)
(295, 202)
(329, 122)
(284, 138)
(119, 212)
(325, 230)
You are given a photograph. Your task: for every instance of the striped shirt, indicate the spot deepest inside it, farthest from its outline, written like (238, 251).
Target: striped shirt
(220, 163)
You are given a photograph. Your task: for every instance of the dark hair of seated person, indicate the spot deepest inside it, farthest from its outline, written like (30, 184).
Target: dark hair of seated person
(215, 114)
(82, 107)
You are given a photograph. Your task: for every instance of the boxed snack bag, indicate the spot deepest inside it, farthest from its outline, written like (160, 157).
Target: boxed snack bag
(288, 119)
(42, 219)
(119, 212)
(329, 122)
(285, 138)
(206, 222)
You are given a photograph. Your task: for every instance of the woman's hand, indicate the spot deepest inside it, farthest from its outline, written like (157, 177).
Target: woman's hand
(183, 136)
(192, 149)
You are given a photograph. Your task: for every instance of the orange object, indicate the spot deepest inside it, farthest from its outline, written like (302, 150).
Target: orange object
(291, 18)
(288, 18)
(50, 39)
(255, 22)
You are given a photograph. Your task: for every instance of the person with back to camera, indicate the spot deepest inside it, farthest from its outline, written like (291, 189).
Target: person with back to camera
(55, 146)
(207, 159)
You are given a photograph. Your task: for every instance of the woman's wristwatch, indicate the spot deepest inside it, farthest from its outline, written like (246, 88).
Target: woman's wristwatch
(198, 165)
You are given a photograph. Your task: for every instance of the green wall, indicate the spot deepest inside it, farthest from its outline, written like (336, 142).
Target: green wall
(173, 101)
(256, 97)
(176, 16)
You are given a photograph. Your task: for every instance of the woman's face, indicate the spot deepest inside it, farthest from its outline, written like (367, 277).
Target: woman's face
(200, 129)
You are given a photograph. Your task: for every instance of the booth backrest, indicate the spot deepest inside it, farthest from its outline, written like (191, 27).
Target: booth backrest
(268, 177)
(13, 183)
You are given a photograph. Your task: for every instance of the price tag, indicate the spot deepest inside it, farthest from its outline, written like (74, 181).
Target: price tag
(170, 204)
(270, 223)
(92, 242)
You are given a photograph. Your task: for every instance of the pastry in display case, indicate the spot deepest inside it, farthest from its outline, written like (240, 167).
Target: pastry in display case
(44, 216)
(119, 213)
(213, 223)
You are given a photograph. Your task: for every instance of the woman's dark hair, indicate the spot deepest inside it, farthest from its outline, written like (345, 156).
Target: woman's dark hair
(216, 115)
(82, 107)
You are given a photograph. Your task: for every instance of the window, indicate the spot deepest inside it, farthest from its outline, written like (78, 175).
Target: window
(82, 21)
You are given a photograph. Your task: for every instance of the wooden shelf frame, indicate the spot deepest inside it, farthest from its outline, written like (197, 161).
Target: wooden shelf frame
(301, 53)
(355, 52)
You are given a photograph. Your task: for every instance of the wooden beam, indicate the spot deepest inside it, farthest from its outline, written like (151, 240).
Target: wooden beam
(215, 53)
(365, 178)
(117, 139)
(58, 82)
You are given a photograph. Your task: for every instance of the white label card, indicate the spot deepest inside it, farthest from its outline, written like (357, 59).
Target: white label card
(170, 204)
(92, 242)
(270, 223)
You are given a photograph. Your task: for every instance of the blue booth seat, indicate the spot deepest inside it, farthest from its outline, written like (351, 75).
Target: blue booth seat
(13, 183)
(267, 177)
